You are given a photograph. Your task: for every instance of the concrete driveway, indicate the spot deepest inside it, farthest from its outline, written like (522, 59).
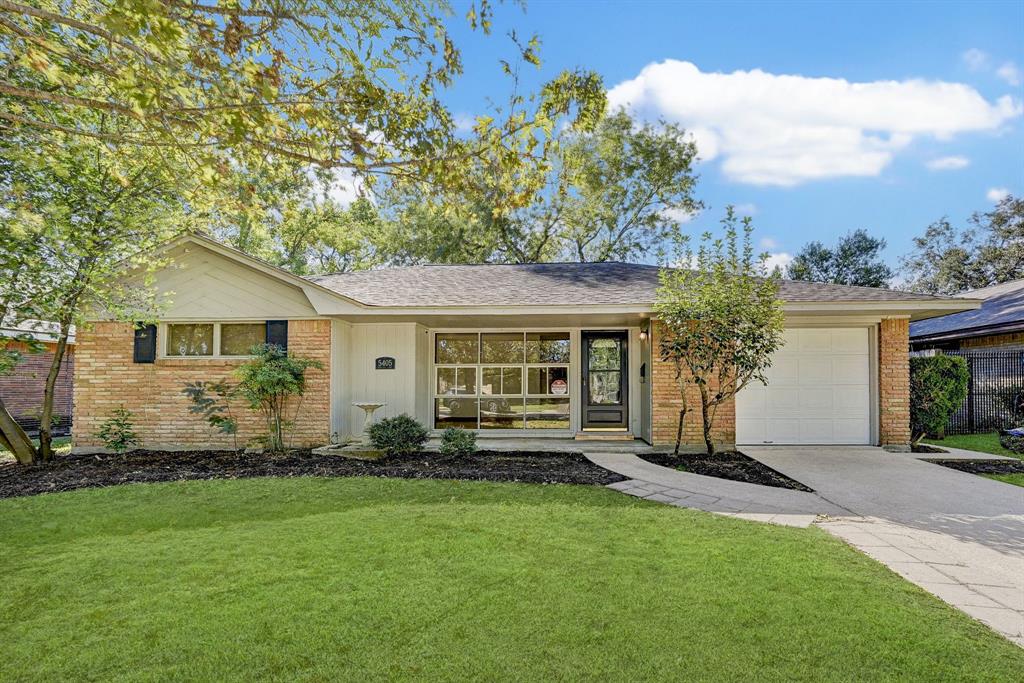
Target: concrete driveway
(957, 535)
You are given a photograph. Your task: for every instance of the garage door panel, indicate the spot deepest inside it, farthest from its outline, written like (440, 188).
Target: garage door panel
(818, 391)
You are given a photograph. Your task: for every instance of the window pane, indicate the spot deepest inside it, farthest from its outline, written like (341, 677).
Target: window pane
(604, 388)
(512, 381)
(547, 413)
(450, 349)
(190, 340)
(498, 412)
(605, 354)
(456, 381)
(501, 348)
(455, 411)
(553, 381)
(495, 381)
(547, 347)
(238, 339)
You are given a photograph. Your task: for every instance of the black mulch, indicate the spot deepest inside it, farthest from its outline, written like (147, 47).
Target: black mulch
(983, 466)
(727, 465)
(925, 448)
(70, 472)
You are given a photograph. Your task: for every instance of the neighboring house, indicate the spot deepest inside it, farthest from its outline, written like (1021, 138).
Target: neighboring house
(22, 390)
(556, 350)
(997, 326)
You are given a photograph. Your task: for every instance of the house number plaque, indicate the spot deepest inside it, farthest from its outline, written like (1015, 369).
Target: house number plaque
(385, 363)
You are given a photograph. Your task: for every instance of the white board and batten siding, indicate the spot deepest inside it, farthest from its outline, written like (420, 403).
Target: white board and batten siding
(819, 391)
(404, 389)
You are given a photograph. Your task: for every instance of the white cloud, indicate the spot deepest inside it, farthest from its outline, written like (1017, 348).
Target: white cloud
(343, 186)
(975, 59)
(745, 209)
(679, 215)
(464, 123)
(768, 243)
(948, 163)
(997, 194)
(780, 259)
(784, 130)
(1010, 73)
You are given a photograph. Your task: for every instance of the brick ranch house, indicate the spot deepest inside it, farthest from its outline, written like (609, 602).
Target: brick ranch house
(22, 389)
(554, 350)
(997, 326)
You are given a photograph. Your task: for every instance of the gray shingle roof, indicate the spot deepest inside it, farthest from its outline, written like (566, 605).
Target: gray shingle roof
(542, 284)
(1003, 305)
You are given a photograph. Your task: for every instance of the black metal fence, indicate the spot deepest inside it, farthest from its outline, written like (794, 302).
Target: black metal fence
(995, 393)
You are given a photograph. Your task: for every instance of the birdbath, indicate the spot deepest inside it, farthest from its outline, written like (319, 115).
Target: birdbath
(368, 407)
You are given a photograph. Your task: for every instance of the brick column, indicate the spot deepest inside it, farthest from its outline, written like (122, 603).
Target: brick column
(665, 403)
(894, 382)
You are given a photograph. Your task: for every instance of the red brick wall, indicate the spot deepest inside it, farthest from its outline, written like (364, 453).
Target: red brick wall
(106, 378)
(666, 401)
(894, 382)
(22, 390)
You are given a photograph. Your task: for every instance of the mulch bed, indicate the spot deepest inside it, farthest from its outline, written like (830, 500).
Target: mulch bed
(731, 465)
(71, 472)
(925, 448)
(982, 466)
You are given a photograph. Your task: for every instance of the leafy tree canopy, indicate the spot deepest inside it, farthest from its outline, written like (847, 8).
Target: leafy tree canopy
(856, 260)
(989, 251)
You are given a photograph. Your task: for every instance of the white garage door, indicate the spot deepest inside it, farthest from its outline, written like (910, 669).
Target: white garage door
(818, 391)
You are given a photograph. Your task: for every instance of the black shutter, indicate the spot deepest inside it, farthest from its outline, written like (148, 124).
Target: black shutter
(145, 344)
(277, 333)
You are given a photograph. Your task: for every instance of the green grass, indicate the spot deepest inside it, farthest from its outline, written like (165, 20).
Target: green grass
(61, 446)
(983, 443)
(370, 579)
(1016, 478)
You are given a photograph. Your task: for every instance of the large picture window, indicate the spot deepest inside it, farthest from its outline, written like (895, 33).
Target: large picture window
(213, 340)
(501, 380)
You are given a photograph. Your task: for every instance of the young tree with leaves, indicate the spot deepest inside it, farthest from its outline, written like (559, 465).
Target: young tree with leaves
(76, 215)
(856, 260)
(988, 252)
(721, 320)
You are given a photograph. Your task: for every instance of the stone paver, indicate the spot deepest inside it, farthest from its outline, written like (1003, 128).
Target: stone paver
(956, 535)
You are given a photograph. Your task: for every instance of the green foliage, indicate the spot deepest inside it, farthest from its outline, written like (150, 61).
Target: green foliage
(619, 192)
(856, 260)
(118, 431)
(398, 435)
(988, 252)
(722, 319)
(352, 84)
(212, 401)
(268, 382)
(455, 441)
(938, 386)
(1011, 442)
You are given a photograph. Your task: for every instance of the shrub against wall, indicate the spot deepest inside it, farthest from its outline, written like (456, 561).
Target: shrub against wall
(938, 385)
(398, 435)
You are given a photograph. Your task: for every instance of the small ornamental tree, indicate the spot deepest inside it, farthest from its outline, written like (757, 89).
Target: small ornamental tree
(938, 386)
(268, 382)
(722, 320)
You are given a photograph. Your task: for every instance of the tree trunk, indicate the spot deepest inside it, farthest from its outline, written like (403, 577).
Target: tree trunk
(45, 428)
(706, 419)
(15, 439)
(682, 408)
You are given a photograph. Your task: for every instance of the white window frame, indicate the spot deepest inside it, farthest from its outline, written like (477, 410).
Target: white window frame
(479, 365)
(164, 337)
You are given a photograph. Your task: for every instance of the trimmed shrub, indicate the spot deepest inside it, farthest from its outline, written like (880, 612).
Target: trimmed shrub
(398, 435)
(455, 441)
(1012, 440)
(938, 386)
(118, 432)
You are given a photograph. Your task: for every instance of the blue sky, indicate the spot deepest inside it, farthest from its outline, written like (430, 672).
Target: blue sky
(819, 118)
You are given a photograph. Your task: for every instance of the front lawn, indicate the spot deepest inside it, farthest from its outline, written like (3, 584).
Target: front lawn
(983, 443)
(1015, 478)
(370, 579)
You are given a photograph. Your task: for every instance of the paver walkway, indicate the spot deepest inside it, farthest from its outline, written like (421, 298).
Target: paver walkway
(957, 535)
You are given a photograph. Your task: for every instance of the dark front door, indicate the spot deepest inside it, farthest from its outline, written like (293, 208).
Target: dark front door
(605, 401)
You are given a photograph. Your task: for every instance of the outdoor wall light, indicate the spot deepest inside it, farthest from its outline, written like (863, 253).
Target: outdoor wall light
(643, 335)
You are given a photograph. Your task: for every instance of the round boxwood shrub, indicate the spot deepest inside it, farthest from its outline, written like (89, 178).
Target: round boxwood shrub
(455, 441)
(398, 435)
(938, 386)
